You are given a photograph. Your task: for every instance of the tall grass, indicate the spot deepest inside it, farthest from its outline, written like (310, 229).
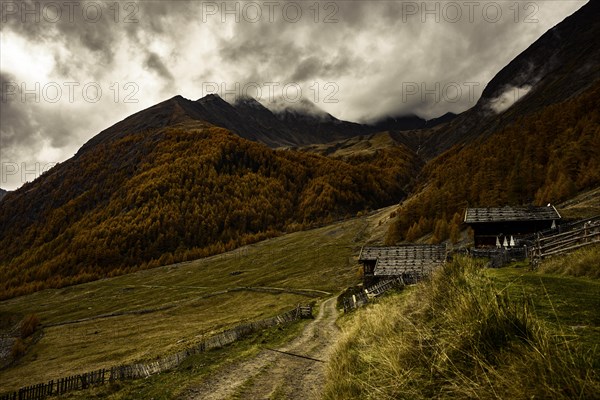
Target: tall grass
(456, 336)
(583, 262)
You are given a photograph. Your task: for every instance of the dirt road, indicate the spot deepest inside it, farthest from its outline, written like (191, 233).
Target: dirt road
(272, 374)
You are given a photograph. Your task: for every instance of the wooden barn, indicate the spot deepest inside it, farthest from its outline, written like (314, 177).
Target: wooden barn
(409, 262)
(504, 226)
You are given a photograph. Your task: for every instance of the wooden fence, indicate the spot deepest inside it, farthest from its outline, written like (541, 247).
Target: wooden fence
(354, 301)
(143, 370)
(361, 298)
(382, 287)
(562, 228)
(587, 233)
(60, 386)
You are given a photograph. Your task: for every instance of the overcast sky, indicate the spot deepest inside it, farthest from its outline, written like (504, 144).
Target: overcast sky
(85, 65)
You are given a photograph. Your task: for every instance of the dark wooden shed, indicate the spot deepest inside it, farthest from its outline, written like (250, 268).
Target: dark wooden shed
(503, 225)
(407, 261)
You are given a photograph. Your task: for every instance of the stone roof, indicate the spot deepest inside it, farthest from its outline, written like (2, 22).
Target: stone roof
(509, 214)
(404, 252)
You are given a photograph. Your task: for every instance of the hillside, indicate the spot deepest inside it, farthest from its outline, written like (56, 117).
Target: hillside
(584, 205)
(546, 157)
(177, 193)
(363, 145)
(472, 332)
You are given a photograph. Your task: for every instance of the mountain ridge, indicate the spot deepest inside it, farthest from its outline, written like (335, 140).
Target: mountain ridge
(285, 127)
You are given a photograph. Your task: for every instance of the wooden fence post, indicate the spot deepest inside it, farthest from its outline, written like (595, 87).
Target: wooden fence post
(586, 228)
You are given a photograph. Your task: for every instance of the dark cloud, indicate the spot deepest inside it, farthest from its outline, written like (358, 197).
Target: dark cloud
(72, 28)
(314, 67)
(374, 49)
(154, 62)
(307, 68)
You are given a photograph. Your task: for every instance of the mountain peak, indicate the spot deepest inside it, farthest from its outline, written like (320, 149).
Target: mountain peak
(210, 98)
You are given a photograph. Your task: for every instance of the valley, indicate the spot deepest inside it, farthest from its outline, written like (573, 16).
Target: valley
(160, 311)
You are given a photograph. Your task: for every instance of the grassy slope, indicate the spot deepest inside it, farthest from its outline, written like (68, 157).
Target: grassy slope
(474, 334)
(319, 259)
(560, 297)
(192, 371)
(584, 205)
(584, 262)
(354, 146)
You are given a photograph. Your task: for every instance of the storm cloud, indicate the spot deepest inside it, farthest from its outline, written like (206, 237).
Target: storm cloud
(85, 65)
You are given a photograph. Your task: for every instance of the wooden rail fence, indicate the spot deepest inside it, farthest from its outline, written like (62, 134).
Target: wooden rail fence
(60, 386)
(545, 246)
(359, 299)
(563, 228)
(382, 287)
(143, 370)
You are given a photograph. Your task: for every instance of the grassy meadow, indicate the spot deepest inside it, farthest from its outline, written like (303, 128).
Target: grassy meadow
(177, 382)
(159, 311)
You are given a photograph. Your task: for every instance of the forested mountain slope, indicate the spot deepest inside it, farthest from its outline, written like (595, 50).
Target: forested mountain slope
(546, 157)
(177, 193)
